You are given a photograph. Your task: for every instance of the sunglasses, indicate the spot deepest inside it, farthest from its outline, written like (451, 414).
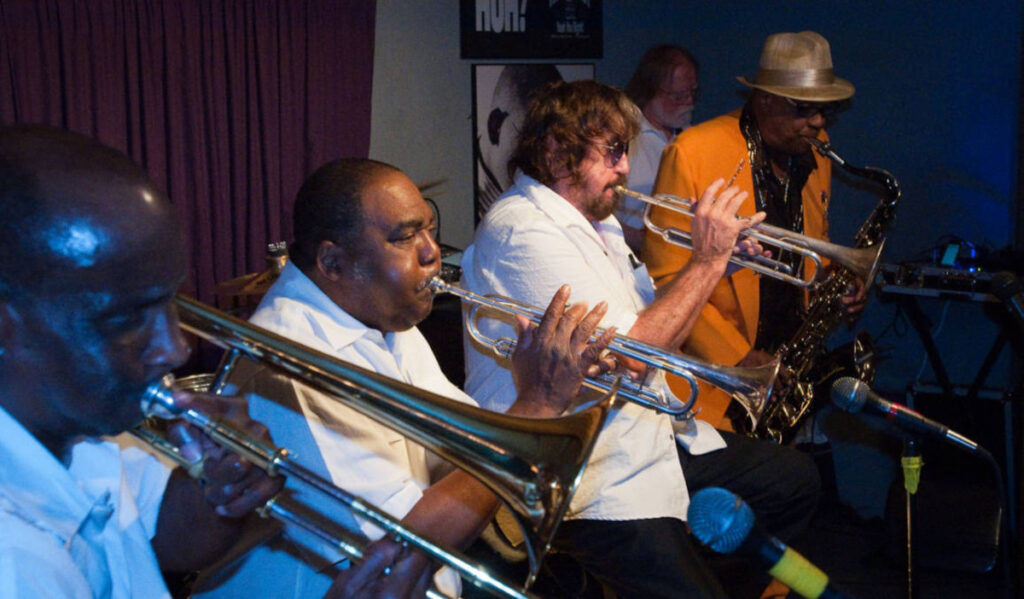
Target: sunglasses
(806, 110)
(616, 150)
(688, 96)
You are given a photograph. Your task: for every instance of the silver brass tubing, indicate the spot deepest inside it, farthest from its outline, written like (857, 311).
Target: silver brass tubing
(861, 261)
(348, 543)
(159, 402)
(750, 386)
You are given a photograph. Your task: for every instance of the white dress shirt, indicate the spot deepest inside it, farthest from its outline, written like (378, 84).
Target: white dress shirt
(530, 243)
(82, 531)
(644, 158)
(351, 450)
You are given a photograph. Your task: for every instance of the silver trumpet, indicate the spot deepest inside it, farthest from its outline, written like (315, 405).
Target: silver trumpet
(533, 465)
(749, 386)
(862, 261)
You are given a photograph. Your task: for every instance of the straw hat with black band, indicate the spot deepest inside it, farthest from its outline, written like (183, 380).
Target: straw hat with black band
(799, 66)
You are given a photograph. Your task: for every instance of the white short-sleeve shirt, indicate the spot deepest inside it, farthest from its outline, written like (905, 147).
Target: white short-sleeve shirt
(353, 451)
(80, 531)
(531, 242)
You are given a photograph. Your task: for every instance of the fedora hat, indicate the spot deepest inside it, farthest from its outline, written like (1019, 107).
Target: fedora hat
(799, 66)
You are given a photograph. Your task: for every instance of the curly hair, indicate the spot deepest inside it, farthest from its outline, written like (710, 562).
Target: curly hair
(655, 70)
(573, 115)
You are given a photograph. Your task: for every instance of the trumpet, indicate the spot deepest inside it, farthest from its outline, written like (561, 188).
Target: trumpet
(861, 261)
(749, 386)
(533, 465)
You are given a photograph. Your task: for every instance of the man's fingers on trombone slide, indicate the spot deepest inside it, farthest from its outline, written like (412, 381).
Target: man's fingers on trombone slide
(376, 563)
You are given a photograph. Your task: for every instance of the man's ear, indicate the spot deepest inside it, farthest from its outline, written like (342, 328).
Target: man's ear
(330, 259)
(554, 157)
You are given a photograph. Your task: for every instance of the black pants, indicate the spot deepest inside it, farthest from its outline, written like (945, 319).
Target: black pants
(654, 558)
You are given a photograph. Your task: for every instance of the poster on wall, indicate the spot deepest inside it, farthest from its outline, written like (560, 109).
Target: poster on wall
(500, 96)
(531, 29)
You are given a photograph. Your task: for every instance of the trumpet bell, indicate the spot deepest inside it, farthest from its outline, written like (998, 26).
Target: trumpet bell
(862, 261)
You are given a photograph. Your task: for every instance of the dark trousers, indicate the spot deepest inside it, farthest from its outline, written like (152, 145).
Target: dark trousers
(654, 558)
(780, 484)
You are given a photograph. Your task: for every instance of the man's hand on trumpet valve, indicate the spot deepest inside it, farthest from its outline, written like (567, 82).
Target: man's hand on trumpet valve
(553, 357)
(388, 569)
(715, 227)
(230, 483)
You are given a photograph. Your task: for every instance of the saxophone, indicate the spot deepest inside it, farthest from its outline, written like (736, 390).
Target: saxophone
(788, 406)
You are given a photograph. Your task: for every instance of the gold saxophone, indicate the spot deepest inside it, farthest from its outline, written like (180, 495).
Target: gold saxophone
(793, 400)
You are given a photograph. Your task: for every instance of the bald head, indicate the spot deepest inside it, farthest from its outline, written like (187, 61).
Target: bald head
(71, 208)
(90, 259)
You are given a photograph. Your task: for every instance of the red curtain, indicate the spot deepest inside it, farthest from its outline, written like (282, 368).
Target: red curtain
(228, 104)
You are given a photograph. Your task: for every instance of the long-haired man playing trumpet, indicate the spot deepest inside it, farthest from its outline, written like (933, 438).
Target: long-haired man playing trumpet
(555, 226)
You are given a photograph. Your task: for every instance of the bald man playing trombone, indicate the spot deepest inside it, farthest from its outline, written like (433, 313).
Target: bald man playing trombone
(355, 288)
(91, 256)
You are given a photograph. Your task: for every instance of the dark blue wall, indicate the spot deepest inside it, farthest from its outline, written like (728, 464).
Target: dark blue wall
(936, 104)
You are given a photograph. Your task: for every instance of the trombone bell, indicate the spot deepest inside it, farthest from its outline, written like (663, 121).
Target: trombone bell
(533, 465)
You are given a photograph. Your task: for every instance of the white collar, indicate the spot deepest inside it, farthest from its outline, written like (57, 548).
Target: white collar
(38, 486)
(558, 209)
(344, 329)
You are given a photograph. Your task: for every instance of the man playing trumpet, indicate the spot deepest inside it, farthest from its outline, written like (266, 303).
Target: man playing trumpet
(355, 288)
(555, 226)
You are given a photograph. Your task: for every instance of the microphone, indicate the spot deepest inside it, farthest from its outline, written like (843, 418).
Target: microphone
(1010, 291)
(724, 522)
(852, 395)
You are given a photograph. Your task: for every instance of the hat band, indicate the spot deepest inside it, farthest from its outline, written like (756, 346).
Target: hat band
(790, 78)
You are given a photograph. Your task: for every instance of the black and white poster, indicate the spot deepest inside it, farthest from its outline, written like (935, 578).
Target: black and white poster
(505, 29)
(501, 93)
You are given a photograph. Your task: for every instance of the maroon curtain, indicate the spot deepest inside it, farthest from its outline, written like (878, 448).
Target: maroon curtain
(228, 104)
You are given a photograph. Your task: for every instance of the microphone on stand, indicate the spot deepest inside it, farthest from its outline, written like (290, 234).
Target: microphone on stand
(1009, 290)
(852, 395)
(724, 522)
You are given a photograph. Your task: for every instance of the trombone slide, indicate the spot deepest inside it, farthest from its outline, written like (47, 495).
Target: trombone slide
(159, 402)
(279, 508)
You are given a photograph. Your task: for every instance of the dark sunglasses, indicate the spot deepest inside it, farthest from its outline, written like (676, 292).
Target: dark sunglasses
(616, 151)
(690, 96)
(806, 110)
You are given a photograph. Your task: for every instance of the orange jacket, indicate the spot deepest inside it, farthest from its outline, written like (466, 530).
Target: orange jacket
(727, 326)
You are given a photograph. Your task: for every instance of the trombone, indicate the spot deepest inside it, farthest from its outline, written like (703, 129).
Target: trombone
(749, 386)
(533, 465)
(350, 544)
(862, 261)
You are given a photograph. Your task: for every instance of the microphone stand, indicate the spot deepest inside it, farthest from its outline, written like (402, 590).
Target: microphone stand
(912, 463)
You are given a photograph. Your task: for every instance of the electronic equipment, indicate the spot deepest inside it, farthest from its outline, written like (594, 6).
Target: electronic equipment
(451, 259)
(934, 280)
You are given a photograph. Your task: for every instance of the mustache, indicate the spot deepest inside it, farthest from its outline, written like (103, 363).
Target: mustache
(620, 180)
(426, 282)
